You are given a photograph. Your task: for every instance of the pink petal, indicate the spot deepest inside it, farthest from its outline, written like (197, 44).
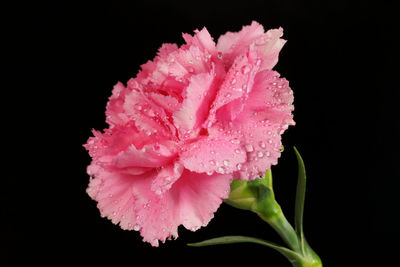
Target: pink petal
(232, 44)
(113, 192)
(114, 111)
(150, 156)
(195, 108)
(220, 154)
(191, 201)
(235, 88)
(266, 115)
(168, 103)
(147, 116)
(166, 177)
(201, 39)
(267, 45)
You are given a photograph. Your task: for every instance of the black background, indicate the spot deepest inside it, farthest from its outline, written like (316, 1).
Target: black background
(61, 61)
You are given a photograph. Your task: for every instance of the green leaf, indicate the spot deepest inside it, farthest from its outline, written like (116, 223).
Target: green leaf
(300, 197)
(289, 254)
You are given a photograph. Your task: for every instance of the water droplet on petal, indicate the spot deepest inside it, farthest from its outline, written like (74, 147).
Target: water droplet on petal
(226, 162)
(210, 172)
(233, 81)
(221, 170)
(138, 107)
(262, 144)
(136, 227)
(237, 151)
(267, 153)
(227, 95)
(249, 148)
(212, 162)
(235, 141)
(239, 166)
(270, 141)
(245, 69)
(260, 154)
(212, 152)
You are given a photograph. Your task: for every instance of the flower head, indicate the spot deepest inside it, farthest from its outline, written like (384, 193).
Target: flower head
(193, 119)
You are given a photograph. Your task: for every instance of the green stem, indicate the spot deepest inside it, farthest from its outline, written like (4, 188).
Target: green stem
(285, 230)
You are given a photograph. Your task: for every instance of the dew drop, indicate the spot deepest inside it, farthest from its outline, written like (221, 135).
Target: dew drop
(221, 170)
(212, 162)
(210, 172)
(260, 154)
(148, 132)
(212, 152)
(235, 141)
(239, 166)
(227, 95)
(270, 141)
(114, 213)
(267, 154)
(237, 151)
(245, 69)
(138, 107)
(249, 148)
(262, 144)
(226, 162)
(136, 227)
(233, 81)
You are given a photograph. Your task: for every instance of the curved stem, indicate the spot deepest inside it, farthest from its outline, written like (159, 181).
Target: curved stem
(284, 229)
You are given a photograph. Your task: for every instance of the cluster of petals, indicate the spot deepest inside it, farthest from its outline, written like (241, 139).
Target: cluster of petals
(193, 119)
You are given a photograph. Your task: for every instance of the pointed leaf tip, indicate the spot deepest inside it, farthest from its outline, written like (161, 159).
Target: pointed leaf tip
(300, 198)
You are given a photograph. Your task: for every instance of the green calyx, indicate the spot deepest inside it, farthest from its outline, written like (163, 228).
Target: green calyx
(256, 195)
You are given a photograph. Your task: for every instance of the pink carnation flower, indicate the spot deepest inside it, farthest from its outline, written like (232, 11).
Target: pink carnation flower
(193, 119)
